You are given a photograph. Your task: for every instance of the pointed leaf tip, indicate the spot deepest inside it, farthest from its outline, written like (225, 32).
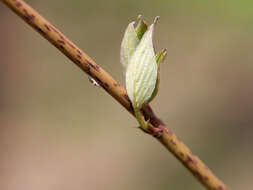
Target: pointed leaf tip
(160, 57)
(156, 19)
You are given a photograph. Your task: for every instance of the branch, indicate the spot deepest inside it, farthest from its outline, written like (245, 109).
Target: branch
(158, 129)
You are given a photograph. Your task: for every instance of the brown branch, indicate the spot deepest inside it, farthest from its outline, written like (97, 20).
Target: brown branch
(159, 130)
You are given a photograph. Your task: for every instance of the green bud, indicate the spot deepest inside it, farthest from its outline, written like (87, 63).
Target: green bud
(142, 66)
(141, 73)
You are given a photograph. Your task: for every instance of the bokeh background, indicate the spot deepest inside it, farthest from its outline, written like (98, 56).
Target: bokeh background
(57, 131)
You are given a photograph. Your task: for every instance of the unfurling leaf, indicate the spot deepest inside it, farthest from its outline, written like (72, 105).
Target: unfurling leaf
(142, 66)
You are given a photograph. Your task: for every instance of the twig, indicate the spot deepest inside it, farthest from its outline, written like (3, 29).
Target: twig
(159, 130)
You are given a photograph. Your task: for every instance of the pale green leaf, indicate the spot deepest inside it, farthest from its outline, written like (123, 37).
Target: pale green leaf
(131, 39)
(141, 74)
(128, 45)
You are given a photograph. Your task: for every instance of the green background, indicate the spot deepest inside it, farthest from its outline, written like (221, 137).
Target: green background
(58, 131)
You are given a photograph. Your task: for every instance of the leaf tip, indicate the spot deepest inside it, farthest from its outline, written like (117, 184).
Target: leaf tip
(156, 19)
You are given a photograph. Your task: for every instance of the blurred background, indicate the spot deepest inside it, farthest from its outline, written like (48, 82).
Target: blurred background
(57, 131)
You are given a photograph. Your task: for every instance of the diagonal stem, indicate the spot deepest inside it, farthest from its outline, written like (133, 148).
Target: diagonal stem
(158, 129)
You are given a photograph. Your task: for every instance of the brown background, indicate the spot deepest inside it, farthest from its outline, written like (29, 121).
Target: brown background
(57, 131)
